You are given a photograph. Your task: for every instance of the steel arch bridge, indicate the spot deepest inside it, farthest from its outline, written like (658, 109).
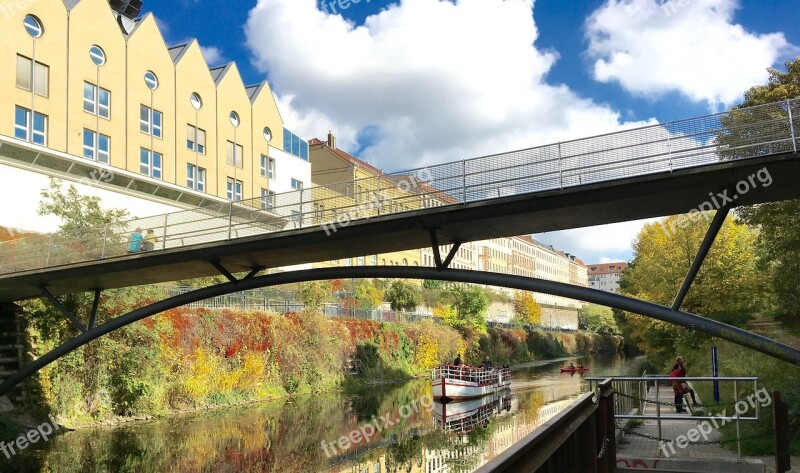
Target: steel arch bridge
(668, 314)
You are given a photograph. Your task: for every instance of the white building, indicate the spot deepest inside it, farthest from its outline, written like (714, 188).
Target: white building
(605, 276)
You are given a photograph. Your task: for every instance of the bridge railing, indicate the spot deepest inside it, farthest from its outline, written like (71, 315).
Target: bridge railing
(737, 134)
(579, 438)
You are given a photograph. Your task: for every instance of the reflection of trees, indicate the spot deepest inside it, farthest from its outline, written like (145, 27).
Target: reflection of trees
(275, 437)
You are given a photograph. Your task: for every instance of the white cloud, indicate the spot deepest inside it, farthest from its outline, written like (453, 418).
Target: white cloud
(433, 81)
(652, 47)
(213, 55)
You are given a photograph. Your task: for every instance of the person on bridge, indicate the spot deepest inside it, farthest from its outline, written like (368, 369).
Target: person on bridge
(150, 240)
(135, 241)
(680, 387)
(487, 364)
(457, 361)
(686, 389)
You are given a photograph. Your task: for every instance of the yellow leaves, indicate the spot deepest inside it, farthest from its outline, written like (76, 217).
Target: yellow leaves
(427, 355)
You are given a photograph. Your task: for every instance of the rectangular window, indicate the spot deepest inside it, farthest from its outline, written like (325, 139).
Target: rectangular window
(235, 154)
(195, 177)
(30, 126)
(96, 100)
(150, 121)
(267, 199)
(96, 146)
(234, 189)
(33, 75)
(295, 145)
(150, 163)
(296, 185)
(196, 139)
(267, 167)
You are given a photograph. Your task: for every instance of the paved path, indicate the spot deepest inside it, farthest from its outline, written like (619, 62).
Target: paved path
(633, 448)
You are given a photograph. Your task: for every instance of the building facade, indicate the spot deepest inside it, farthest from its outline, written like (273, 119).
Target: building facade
(97, 91)
(605, 276)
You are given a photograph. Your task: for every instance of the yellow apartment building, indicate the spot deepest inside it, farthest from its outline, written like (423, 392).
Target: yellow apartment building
(98, 92)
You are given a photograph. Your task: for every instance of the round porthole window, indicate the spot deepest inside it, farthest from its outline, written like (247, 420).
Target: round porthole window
(151, 80)
(98, 55)
(33, 26)
(197, 102)
(267, 133)
(235, 119)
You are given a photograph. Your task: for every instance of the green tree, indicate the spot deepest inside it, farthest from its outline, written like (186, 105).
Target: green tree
(728, 281)
(367, 295)
(471, 304)
(402, 295)
(77, 212)
(597, 318)
(315, 293)
(778, 222)
(526, 309)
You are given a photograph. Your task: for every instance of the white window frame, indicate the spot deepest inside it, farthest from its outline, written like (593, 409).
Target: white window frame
(238, 158)
(234, 189)
(95, 151)
(297, 184)
(267, 199)
(28, 128)
(195, 177)
(147, 124)
(95, 105)
(193, 140)
(30, 74)
(149, 168)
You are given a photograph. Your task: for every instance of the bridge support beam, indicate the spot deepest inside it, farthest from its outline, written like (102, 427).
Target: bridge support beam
(667, 314)
(58, 305)
(702, 252)
(437, 256)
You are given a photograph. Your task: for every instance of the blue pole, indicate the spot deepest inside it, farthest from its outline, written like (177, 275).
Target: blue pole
(715, 372)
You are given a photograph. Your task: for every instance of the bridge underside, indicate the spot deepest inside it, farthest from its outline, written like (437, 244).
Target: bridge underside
(667, 314)
(653, 195)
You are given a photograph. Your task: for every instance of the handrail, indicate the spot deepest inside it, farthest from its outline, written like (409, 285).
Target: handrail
(737, 134)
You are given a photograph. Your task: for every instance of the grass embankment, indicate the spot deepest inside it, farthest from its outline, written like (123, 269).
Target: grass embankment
(185, 359)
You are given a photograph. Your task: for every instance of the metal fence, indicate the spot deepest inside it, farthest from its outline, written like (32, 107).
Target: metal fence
(737, 134)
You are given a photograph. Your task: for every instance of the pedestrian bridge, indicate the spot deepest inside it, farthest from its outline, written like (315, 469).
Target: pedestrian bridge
(740, 157)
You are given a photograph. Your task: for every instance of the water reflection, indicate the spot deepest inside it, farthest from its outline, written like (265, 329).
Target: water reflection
(292, 436)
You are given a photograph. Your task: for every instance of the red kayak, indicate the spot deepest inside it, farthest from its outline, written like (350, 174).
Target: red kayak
(574, 370)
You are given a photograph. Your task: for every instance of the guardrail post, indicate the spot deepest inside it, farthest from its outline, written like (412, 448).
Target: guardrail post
(463, 181)
(669, 150)
(560, 168)
(164, 234)
(49, 250)
(230, 220)
(658, 414)
(605, 428)
(791, 125)
(105, 238)
(736, 401)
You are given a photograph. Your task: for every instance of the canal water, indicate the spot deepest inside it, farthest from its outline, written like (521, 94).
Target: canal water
(328, 432)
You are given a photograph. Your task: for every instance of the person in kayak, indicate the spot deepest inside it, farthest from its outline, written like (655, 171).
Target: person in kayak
(571, 366)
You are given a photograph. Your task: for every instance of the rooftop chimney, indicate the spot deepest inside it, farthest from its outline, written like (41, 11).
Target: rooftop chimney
(331, 140)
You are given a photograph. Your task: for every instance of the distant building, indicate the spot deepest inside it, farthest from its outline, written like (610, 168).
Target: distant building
(605, 276)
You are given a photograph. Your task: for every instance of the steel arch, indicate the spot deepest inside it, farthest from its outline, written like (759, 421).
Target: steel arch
(711, 327)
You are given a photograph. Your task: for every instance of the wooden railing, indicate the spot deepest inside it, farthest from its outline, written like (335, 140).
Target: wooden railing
(579, 438)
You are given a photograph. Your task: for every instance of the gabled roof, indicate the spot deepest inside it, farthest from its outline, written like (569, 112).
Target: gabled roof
(70, 4)
(254, 90)
(217, 73)
(348, 157)
(176, 52)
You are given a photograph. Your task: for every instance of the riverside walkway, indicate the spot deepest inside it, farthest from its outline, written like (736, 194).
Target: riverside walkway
(638, 449)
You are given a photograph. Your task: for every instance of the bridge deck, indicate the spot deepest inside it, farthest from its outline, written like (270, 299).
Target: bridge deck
(651, 195)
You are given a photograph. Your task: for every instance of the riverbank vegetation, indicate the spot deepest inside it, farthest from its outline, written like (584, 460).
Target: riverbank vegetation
(750, 273)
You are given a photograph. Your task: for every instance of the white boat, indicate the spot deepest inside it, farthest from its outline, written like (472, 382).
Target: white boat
(464, 382)
(466, 416)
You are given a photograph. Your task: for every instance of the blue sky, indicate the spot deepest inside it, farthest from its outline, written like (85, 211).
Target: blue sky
(418, 82)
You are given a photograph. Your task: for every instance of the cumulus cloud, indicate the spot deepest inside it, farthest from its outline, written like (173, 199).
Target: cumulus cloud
(213, 55)
(651, 47)
(599, 244)
(421, 82)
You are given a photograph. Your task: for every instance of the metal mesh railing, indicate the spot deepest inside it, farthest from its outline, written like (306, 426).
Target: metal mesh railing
(737, 134)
